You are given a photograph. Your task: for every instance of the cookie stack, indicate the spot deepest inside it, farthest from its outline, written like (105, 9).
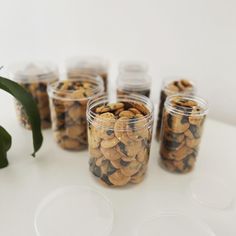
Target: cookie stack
(35, 77)
(68, 101)
(119, 137)
(182, 125)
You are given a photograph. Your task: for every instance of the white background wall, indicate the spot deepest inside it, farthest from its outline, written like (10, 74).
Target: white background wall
(184, 37)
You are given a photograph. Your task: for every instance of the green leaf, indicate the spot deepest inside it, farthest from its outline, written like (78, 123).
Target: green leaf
(30, 107)
(5, 138)
(5, 144)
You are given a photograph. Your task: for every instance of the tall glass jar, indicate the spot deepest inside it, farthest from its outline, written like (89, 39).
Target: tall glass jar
(120, 135)
(170, 86)
(35, 77)
(133, 78)
(88, 65)
(181, 132)
(68, 102)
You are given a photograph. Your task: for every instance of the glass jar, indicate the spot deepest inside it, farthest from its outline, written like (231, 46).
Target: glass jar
(133, 78)
(88, 65)
(35, 77)
(68, 102)
(171, 86)
(182, 125)
(119, 136)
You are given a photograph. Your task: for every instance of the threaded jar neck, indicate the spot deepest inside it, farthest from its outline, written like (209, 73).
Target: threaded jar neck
(103, 100)
(187, 105)
(96, 82)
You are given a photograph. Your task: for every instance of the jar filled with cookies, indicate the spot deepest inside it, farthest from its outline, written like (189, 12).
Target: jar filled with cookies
(68, 102)
(119, 136)
(35, 77)
(133, 78)
(181, 132)
(171, 86)
(88, 65)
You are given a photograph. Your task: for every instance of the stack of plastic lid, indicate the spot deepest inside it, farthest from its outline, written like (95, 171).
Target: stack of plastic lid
(168, 224)
(133, 78)
(29, 72)
(211, 192)
(88, 65)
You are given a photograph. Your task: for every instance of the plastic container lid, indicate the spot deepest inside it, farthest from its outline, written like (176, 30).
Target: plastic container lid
(173, 224)
(133, 67)
(211, 192)
(133, 76)
(34, 72)
(96, 64)
(74, 211)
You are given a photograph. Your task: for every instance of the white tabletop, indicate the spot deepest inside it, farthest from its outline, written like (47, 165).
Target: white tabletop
(27, 180)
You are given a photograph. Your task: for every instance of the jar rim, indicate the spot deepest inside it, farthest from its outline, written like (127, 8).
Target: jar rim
(178, 109)
(135, 82)
(87, 62)
(133, 67)
(133, 75)
(53, 92)
(33, 71)
(91, 115)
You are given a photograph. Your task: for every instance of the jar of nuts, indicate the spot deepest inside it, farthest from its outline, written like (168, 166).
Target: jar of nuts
(35, 77)
(119, 136)
(68, 102)
(133, 78)
(88, 65)
(182, 125)
(171, 86)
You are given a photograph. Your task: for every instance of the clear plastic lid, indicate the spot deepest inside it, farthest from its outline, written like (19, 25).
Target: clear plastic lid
(133, 76)
(74, 210)
(173, 224)
(133, 67)
(91, 64)
(211, 192)
(34, 72)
